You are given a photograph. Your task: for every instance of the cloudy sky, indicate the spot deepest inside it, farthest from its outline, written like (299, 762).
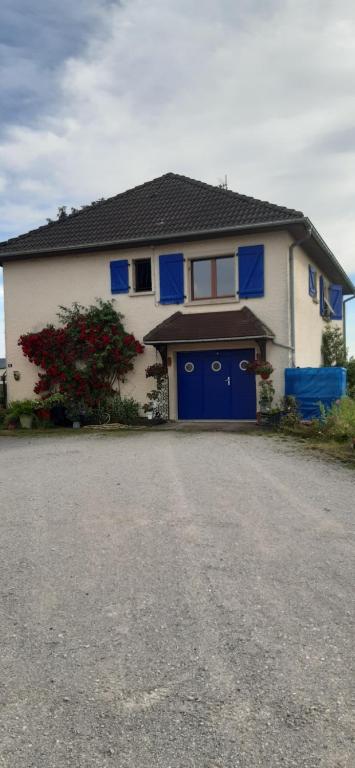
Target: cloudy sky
(100, 95)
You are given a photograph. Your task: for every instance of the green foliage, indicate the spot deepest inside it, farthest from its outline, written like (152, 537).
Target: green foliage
(266, 393)
(351, 377)
(338, 423)
(19, 408)
(75, 409)
(124, 410)
(2, 416)
(116, 409)
(23, 408)
(258, 367)
(52, 400)
(156, 371)
(333, 347)
(86, 357)
(290, 414)
(334, 424)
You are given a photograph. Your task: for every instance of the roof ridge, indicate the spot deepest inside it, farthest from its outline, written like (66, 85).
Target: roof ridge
(230, 192)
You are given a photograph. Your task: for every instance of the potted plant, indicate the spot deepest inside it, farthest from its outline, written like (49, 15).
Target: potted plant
(261, 368)
(75, 411)
(22, 411)
(52, 408)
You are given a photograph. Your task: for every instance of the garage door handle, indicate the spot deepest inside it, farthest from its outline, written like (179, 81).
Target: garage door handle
(228, 380)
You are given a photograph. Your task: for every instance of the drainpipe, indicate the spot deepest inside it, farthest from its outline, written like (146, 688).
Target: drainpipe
(350, 298)
(291, 262)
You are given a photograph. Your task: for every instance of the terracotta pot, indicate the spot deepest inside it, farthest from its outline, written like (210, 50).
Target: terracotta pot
(265, 376)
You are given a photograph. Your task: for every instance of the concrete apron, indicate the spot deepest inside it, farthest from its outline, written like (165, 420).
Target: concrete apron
(210, 426)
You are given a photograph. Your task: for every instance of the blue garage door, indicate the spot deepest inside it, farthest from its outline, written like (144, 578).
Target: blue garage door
(213, 385)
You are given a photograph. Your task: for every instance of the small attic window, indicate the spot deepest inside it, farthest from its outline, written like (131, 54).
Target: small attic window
(142, 275)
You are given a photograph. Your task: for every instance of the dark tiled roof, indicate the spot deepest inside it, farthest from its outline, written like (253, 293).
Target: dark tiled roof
(169, 205)
(209, 326)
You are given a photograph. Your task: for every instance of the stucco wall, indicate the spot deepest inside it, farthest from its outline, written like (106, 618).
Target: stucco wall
(35, 288)
(309, 324)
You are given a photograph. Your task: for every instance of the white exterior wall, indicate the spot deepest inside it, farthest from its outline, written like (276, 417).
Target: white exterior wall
(35, 288)
(309, 324)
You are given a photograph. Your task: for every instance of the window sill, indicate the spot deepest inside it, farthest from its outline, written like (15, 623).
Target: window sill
(202, 302)
(141, 293)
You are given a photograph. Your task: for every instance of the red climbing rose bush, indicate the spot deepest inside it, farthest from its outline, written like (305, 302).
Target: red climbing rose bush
(86, 357)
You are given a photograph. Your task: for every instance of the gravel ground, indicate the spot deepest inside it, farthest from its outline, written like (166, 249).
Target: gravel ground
(174, 600)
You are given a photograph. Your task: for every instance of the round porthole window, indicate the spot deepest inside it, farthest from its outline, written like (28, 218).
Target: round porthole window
(243, 365)
(189, 367)
(216, 366)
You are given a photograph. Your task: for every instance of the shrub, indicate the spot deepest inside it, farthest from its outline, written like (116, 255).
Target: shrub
(333, 347)
(86, 357)
(123, 409)
(338, 423)
(266, 393)
(21, 408)
(351, 377)
(116, 409)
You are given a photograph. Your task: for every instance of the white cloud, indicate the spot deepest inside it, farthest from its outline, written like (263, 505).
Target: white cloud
(262, 92)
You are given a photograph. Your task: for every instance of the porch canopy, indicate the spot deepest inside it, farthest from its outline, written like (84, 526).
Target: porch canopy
(235, 325)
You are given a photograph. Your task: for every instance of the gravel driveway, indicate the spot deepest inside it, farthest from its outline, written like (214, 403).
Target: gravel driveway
(171, 600)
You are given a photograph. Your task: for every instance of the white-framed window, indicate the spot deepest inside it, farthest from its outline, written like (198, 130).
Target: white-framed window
(213, 277)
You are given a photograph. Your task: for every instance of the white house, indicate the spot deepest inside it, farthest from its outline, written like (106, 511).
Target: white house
(206, 277)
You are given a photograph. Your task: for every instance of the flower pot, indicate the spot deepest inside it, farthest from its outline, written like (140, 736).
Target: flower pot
(265, 376)
(26, 420)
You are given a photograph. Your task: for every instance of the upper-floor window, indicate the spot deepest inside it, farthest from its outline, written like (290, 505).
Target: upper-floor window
(330, 300)
(312, 282)
(213, 278)
(142, 275)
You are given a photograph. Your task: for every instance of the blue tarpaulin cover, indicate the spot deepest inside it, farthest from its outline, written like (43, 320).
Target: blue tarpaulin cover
(310, 386)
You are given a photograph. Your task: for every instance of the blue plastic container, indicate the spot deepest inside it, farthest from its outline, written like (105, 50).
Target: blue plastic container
(311, 386)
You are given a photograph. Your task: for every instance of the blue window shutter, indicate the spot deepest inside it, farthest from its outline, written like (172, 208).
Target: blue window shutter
(321, 295)
(251, 271)
(119, 276)
(336, 301)
(171, 274)
(312, 277)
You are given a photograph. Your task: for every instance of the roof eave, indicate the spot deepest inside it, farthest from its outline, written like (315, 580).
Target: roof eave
(193, 341)
(153, 239)
(303, 221)
(317, 249)
(323, 245)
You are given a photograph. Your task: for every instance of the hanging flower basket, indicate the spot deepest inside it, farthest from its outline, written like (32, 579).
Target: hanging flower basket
(260, 368)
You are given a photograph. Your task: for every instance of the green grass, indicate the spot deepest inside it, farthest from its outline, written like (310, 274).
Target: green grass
(325, 448)
(341, 451)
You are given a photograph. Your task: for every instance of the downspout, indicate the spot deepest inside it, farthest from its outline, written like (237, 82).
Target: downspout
(350, 298)
(291, 262)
